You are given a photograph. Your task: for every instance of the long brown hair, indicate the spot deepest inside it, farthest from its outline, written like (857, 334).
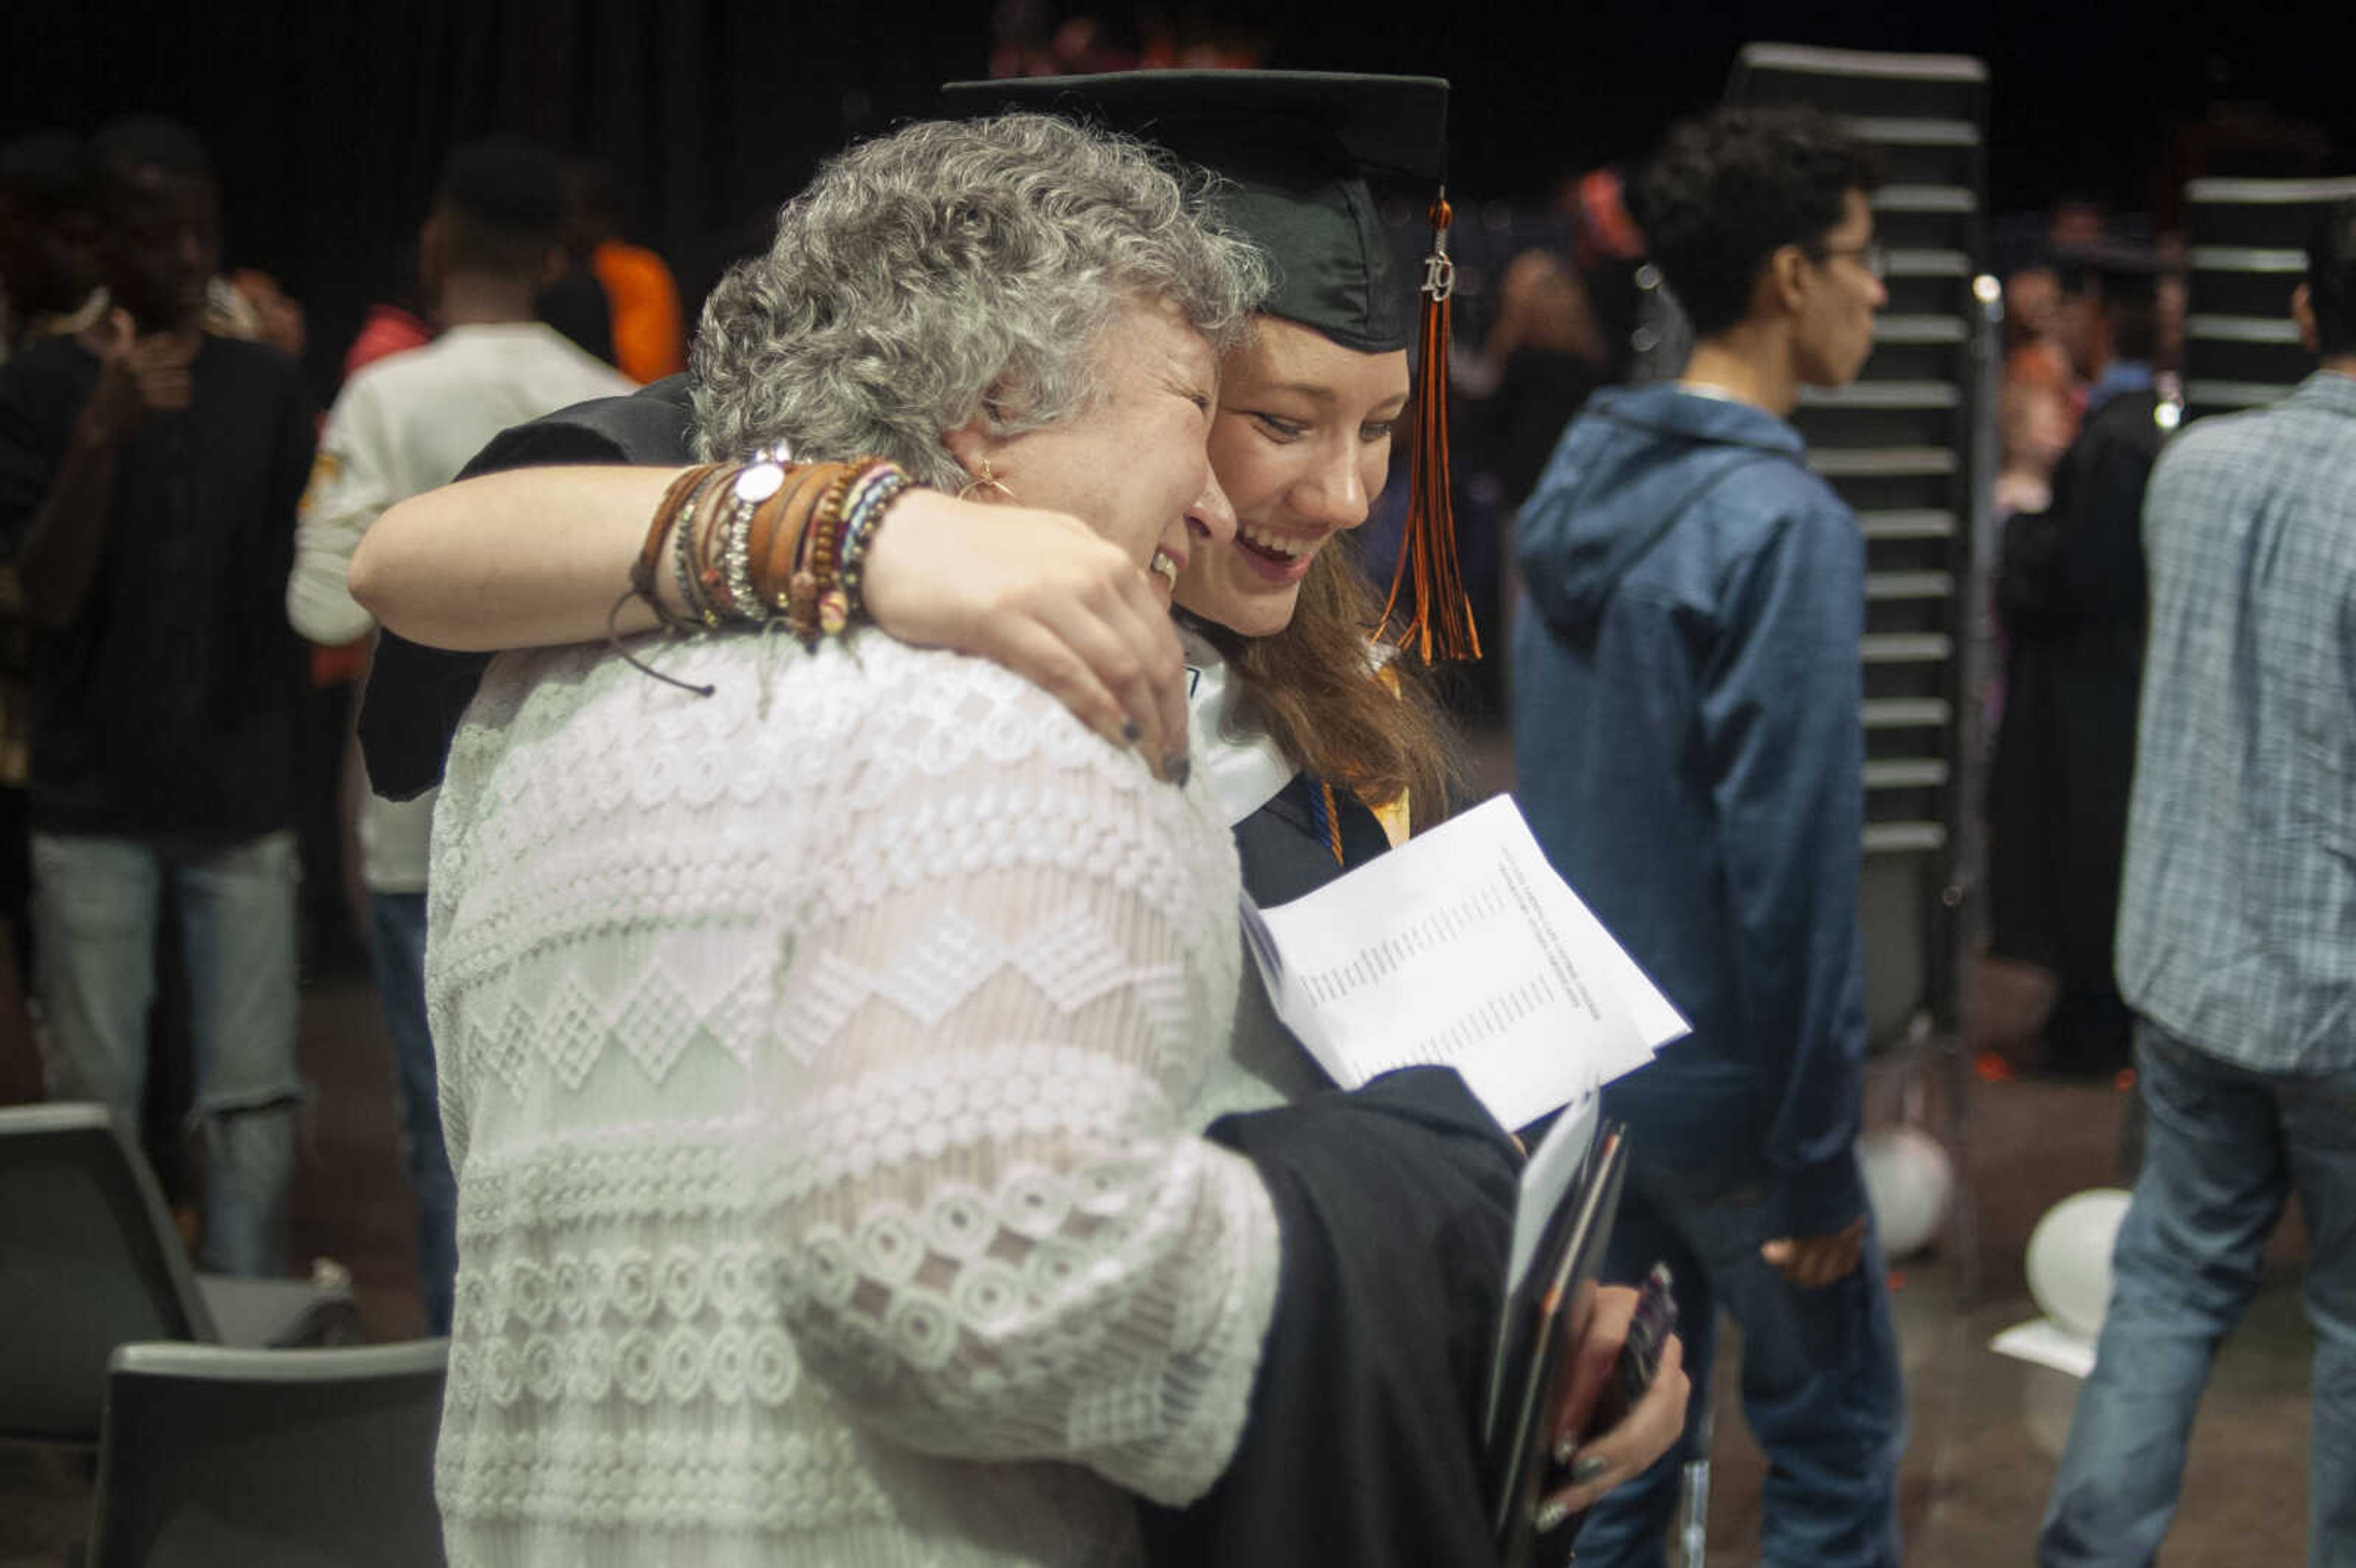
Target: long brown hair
(1379, 733)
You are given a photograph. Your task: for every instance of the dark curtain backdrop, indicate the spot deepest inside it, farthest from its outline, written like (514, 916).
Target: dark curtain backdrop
(329, 121)
(331, 117)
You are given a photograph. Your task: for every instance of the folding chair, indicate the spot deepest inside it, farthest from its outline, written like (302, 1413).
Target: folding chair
(211, 1457)
(90, 1260)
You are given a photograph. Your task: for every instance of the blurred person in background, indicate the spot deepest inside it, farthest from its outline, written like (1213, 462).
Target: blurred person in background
(402, 427)
(148, 476)
(1550, 353)
(254, 306)
(642, 298)
(49, 277)
(2032, 331)
(1686, 734)
(2070, 601)
(48, 280)
(2233, 944)
(2034, 430)
(2008, 1000)
(574, 300)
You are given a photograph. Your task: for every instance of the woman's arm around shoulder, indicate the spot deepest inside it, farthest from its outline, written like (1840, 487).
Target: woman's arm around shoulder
(537, 557)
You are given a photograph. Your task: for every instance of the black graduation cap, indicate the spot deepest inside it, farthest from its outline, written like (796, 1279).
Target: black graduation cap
(1305, 151)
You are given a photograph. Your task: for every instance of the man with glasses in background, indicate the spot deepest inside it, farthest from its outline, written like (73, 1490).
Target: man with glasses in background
(1689, 749)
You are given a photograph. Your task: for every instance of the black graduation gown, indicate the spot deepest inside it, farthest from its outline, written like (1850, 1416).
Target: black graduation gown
(2070, 592)
(1394, 1204)
(1396, 1208)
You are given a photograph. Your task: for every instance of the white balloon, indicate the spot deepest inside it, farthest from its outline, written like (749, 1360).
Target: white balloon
(1909, 1181)
(2070, 1259)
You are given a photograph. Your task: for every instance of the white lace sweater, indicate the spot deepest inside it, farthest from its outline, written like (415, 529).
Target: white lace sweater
(820, 1062)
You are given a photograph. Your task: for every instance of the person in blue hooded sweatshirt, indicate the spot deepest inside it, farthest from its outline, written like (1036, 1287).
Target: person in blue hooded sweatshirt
(1690, 751)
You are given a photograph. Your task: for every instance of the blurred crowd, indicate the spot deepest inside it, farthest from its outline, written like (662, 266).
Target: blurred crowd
(186, 837)
(1555, 302)
(196, 786)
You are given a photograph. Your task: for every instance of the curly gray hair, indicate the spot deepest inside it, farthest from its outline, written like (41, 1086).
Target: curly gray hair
(951, 268)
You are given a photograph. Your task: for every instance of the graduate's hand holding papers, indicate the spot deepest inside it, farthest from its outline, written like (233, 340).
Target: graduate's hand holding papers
(1463, 948)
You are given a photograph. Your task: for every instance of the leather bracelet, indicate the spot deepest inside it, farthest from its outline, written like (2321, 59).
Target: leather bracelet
(778, 539)
(659, 529)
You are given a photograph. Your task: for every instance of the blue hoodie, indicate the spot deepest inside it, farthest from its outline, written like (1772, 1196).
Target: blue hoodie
(1689, 752)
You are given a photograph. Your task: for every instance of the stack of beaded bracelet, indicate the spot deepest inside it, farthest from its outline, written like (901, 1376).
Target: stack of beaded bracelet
(644, 570)
(696, 588)
(876, 485)
(758, 542)
(814, 571)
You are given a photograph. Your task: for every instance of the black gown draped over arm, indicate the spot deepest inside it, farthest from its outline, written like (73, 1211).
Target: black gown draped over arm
(1396, 1208)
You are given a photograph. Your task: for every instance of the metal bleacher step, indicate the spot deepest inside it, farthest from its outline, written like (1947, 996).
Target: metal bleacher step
(1957, 199)
(1903, 837)
(2206, 393)
(1907, 523)
(1906, 648)
(1906, 772)
(1882, 586)
(1884, 395)
(1906, 130)
(1907, 713)
(2270, 258)
(1890, 328)
(2241, 329)
(1882, 462)
(1916, 261)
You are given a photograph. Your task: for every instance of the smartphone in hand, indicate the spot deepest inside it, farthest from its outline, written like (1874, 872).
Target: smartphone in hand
(1649, 1333)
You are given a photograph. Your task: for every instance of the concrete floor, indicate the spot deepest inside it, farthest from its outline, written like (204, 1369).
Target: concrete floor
(1985, 1430)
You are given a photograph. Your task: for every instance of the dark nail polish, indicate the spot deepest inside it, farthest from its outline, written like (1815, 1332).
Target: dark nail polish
(1130, 733)
(1178, 767)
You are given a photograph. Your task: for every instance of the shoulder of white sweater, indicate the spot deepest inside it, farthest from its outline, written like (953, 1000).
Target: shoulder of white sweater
(779, 718)
(767, 678)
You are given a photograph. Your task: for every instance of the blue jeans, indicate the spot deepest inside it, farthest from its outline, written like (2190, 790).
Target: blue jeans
(397, 954)
(1820, 1379)
(2224, 1148)
(95, 903)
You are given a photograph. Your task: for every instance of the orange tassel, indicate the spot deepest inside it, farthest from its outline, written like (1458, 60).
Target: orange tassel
(1439, 626)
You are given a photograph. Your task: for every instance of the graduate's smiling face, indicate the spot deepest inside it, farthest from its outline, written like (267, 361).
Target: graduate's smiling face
(1302, 444)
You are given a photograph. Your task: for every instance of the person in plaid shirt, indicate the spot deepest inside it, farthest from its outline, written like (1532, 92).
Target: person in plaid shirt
(2237, 942)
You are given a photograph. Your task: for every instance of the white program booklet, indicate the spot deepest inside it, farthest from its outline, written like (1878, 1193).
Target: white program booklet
(1462, 948)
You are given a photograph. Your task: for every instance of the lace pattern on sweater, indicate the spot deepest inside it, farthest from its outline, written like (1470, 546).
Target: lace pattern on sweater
(816, 1065)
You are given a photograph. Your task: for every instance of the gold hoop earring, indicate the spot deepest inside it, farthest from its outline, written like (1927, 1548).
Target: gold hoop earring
(986, 485)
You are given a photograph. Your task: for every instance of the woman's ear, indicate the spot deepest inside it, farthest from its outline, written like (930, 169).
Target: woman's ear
(974, 444)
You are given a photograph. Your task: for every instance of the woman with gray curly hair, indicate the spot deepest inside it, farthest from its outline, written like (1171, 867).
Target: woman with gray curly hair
(818, 1053)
